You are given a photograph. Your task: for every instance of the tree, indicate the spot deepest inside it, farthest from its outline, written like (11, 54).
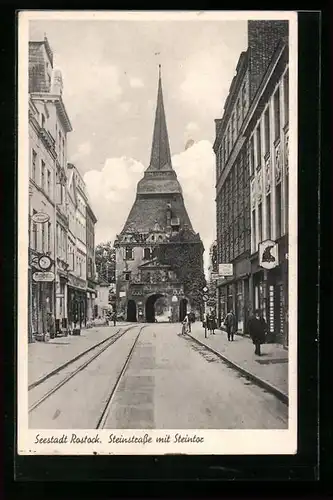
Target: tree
(105, 258)
(184, 254)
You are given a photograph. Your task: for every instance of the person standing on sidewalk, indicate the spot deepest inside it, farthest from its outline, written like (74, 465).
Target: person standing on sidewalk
(257, 329)
(230, 324)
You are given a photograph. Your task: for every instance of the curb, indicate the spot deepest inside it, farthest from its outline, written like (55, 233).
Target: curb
(259, 381)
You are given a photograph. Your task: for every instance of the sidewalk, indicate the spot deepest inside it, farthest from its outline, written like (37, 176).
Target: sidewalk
(271, 368)
(43, 357)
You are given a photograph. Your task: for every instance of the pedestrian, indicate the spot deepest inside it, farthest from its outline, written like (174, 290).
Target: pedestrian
(185, 327)
(114, 317)
(213, 324)
(230, 324)
(257, 328)
(190, 321)
(50, 324)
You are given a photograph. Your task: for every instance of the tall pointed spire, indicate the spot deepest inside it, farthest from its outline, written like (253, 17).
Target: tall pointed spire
(160, 152)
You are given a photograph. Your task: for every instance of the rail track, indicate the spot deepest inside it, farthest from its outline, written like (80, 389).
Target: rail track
(106, 410)
(101, 346)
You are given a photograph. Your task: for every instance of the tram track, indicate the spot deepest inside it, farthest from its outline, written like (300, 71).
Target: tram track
(104, 344)
(106, 410)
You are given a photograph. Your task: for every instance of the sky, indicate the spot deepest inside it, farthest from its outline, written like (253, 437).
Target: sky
(110, 76)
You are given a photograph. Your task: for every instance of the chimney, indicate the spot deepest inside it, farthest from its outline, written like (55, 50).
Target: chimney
(57, 83)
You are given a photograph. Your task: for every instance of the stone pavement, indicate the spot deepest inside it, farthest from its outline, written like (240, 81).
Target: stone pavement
(271, 367)
(43, 357)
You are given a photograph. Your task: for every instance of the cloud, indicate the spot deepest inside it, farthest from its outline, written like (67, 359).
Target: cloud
(125, 106)
(191, 127)
(112, 191)
(136, 82)
(206, 83)
(84, 149)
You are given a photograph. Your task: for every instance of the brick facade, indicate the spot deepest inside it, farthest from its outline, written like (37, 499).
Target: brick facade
(263, 39)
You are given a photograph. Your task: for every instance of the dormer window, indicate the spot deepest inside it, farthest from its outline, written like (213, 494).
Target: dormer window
(152, 237)
(127, 276)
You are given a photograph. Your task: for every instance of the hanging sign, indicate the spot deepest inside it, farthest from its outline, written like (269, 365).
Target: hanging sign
(40, 218)
(226, 270)
(268, 254)
(43, 276)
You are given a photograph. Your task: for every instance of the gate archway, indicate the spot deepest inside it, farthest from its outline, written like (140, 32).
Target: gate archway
(131, 311)
(182, 309)
(150, 307)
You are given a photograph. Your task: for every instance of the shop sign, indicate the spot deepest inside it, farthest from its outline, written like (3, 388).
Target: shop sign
(226, 269)
(43, 276)
(77, 282)
(214, 276)
(122, 294)
(268, 254)
(40, 218)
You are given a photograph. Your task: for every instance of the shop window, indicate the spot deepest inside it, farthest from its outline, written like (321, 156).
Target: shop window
(129, 253)
(277, 114)
(271, 301)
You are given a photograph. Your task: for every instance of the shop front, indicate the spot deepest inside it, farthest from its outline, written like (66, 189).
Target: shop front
(42, 299)
(233, 294)
(270, 294)
(77, 303)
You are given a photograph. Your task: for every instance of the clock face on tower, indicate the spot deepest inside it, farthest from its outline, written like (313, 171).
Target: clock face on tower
(44, 262)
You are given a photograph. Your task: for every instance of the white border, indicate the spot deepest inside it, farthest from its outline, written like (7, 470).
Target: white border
(226, 442)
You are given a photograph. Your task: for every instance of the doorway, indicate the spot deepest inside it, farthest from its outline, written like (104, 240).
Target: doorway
(131, 311)
(182, 309)
(150, 307)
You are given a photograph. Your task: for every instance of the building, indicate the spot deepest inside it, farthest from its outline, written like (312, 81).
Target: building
(90, 261)
(251, 148)
(101, 303)
(157, 225)
(77, 249)
(49, 125)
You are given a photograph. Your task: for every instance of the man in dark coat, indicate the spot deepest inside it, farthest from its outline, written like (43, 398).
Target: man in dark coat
(257, 329)
(230, 324)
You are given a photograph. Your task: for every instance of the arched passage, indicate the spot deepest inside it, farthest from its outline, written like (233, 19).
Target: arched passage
(150, 307)
(182, 309)
(131, 311)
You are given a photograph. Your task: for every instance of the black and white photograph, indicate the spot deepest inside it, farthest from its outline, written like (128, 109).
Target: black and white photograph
(157, 265)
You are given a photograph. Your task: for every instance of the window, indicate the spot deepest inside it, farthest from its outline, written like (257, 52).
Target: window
(287, 202)
(258, 139)
(278, 207)
(268, 216)
(224, 151)
(34, 233)
(43, 237)
(244, 100)
(43, 121)
(260, 222)
(254, 230)
(49, 236)
(128, 253)
(127, 276)
(43, 174)
(233, 131)
(286, 97)
(238, 114)
(251, 155)
(267, 130)
(48, 182)
(34, 160)
(277, 114)
(146, 253)
(228, 143)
